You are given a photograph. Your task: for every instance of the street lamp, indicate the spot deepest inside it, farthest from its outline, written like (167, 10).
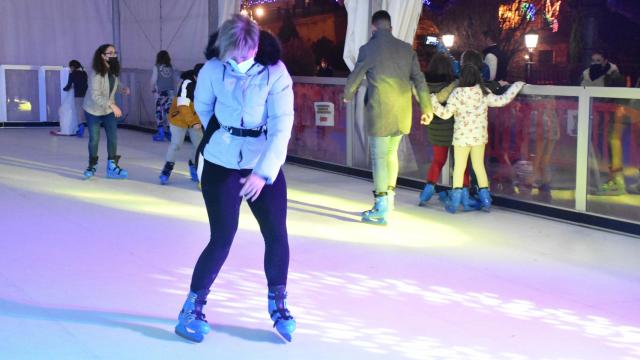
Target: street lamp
(447, 40)
(259, 12)
(530, 41)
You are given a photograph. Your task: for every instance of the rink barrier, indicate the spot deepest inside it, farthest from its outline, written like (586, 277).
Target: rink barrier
(43, 116)
(348, 155)
(545, 211)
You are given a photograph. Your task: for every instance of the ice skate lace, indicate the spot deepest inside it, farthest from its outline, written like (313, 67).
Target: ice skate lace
(281, 309)
(196, 313)
(283, 314)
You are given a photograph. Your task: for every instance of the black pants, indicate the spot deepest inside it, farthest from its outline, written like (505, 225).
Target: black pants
(220, 189)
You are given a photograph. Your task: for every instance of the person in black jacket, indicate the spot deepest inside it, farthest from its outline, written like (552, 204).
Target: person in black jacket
(78, 81)
(441, 81)
(494, 57)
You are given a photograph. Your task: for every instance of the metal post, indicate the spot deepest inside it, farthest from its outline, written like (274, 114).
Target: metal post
(42, 93)
(582, 151)
(351, 118)
(213, 15)
(528, 68)
(115, 21)
(3, 96)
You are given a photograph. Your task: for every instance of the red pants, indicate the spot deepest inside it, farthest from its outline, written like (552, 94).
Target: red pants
(439, 158)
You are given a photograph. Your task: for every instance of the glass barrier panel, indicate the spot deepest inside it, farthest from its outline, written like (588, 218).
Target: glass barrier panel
(139, 106)
(415, 153)
(531, 154)
(52, 88)
(320, 124)
(614, 158)
(23, 103)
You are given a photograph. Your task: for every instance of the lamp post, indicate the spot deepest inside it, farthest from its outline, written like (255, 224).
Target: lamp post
(530, 41)
(447, 40)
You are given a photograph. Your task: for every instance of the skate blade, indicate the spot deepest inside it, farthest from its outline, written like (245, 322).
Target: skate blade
(191, 336)
(374, 221)
(288, 337)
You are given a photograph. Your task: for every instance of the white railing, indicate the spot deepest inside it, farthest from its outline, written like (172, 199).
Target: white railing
(42, 90)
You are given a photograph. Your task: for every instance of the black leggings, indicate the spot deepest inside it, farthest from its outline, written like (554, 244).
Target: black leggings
(220, 189)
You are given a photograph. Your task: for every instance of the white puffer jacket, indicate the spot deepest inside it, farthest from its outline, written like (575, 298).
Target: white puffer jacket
(263, 96)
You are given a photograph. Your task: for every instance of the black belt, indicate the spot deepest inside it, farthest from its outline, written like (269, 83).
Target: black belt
(254, 133)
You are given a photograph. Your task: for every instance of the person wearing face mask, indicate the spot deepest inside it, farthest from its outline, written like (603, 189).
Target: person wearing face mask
(247, 90)
(101, 109)
(601, 72)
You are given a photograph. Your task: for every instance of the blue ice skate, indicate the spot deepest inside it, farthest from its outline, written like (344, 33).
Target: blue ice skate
(426, 194)
(284, 323)
(193, 170)
(159, 136)
(91, 169)
(485, 199)
(114, 171)
(469, 203)
(378, 213)
(192, 323)
(166, 172)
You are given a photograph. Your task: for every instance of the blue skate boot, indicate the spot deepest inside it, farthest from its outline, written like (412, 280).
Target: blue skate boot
(443, 196)
(378, 213)
(159, 136)
(193, 170)
(426, 194)
(114, 171)
(485, 199)
(469, 203)
(166, 172)
(284, 323)
(455, 198)
(192, 323)
(80, 131)
(91, 169)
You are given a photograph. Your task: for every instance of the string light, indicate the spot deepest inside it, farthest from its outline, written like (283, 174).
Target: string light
(252, 3)
(512, 15)
(551, 12)
(509, 15)
(529, 11)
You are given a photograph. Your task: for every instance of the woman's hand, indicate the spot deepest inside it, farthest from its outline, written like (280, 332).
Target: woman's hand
(116, 110)
(253, 185)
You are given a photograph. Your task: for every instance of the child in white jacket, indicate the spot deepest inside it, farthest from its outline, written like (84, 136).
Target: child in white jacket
(469, 104)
